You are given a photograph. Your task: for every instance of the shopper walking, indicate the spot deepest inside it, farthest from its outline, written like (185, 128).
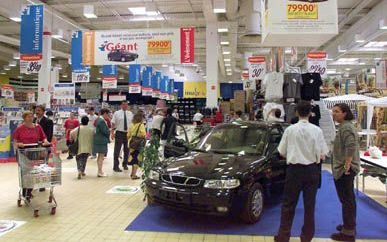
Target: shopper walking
(121, 122)
(70, 124)
(168, 131)
(84, 134)
(46, 124)
(137, 129)
(303, 145)
(345, 166)
(101, 139)
(175, 114)
(157, 121)
(26, 134)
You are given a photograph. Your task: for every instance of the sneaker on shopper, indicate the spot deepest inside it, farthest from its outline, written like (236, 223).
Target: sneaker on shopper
(342, 237)
(79, 176)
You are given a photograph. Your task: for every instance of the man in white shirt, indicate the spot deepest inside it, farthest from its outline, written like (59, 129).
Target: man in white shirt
(304, 146)
(157, 121)
(198, 118)
(121, 121)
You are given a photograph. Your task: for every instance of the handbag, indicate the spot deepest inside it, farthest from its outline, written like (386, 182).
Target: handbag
(137, 143)
(73, 147)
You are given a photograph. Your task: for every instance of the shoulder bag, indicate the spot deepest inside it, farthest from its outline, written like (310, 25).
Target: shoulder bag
(137, 143)
(73, 147)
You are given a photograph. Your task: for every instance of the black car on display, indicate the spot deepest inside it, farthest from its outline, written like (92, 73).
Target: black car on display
(122, 55)
(229, 172)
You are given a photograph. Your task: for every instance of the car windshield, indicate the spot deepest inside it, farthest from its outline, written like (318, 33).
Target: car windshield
(235, 139)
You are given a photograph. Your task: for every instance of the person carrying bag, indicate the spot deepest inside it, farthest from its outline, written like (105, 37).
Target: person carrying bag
(136, 137)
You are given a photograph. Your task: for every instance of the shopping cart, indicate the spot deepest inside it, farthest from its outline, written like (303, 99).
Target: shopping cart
(38, 168)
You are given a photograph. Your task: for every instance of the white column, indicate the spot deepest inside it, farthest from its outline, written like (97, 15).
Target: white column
(212, 64)
(44, 96)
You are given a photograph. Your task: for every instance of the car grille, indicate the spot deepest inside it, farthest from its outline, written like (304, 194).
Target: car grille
(181, 180)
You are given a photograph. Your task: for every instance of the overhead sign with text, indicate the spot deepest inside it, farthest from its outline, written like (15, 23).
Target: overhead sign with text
(317, 63)
(299, 22)
(139, 46)
(257, 67)
(195, 89)
(31, 39)
(80, 73)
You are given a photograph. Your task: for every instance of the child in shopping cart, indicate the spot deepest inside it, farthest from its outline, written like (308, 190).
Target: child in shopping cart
(26, 135)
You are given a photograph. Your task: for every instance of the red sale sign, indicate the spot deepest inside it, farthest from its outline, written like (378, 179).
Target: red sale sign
(187, 45)
(317, 63)
(257, 67)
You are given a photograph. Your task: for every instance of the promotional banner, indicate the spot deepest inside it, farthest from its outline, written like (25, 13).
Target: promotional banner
(7, 91)
(292, 22)
(134, 78)
(109, 77)
(63, 91)
(147, 81)
(195, 89)
(80, 73)
(257, 67)
(164, 88)
(317, 63)
(142, 46)
(90, 91)
(156, 81)
(31, 39)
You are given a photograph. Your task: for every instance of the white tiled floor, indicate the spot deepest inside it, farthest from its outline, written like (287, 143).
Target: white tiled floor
(86, 213)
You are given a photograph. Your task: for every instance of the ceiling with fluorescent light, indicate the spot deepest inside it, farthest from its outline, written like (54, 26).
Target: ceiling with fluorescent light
(68, 15)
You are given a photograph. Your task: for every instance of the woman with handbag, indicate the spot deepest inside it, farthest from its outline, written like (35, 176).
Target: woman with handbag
(136, 137)
(83, 138)
(101, 139)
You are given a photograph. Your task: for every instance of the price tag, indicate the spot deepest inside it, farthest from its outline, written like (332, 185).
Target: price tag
(302, 11)
(29, 67)
(81, 77)
(257, 67)
(159, 47)
(317, 63)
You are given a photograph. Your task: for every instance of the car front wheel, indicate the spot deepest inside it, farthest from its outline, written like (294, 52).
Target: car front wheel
(253, 208)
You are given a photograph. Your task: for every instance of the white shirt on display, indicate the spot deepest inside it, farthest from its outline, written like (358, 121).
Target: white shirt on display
(303, 143)
(197, 117)
(118, 120)
(273, 83)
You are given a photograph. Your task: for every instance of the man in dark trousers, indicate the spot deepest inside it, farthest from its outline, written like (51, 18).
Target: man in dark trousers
(122, 120)
(304, 146)
(46, 124)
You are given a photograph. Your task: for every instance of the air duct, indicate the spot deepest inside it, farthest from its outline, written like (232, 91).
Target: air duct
(253, 19)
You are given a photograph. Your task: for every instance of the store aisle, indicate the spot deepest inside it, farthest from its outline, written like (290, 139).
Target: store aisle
(87, 213)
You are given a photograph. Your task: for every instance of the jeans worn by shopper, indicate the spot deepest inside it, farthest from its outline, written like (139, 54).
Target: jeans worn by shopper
(305, 179)
(345, 191)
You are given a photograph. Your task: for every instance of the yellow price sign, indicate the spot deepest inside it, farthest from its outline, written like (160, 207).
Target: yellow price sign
(159, 47)
(302, 11)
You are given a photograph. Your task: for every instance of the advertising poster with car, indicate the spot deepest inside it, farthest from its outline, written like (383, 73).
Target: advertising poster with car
(317, 63)
(257, 67)
(31, 39)
(109, 77)
(7, 91)
(140, 46)
(156, 81)
(134, 78)
(64, 91)
(147, 81)
(80, 73)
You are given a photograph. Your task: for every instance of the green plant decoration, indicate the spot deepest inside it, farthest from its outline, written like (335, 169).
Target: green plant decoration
(150, 159)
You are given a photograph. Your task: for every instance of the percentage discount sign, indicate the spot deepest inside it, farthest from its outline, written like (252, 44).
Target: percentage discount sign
(317, 63)
(257, 67)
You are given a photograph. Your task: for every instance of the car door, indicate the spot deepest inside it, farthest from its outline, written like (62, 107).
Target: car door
(277, 163)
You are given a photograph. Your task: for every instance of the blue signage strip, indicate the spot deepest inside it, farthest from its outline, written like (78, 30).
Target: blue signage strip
(159, 77)
(134, 73)
(68, 109)
(31, 30)
(165, 84)
(11, 109)
(76, 53)
(147, 77)
(109, 70)
(171, 88)
(154, 84)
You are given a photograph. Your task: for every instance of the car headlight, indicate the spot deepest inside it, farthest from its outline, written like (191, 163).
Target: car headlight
(154, 175)
(222, 184)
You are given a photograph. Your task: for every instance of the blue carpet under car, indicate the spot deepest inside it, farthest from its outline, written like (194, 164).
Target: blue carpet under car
(371, 218)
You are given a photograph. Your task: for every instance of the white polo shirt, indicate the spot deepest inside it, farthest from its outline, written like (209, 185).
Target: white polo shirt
(118, 120)
(303, 143)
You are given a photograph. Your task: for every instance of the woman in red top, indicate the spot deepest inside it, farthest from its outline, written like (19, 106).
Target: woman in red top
(26, 134)
(70, 124)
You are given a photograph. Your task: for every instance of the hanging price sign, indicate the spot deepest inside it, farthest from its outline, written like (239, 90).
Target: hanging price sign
(302, 11)
(157, 47)
(109, 83)
(317, 63)
(81, 76)
(257, 67)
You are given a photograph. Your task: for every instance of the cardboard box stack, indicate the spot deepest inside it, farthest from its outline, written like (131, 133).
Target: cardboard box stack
(240, 101)
(225, 107)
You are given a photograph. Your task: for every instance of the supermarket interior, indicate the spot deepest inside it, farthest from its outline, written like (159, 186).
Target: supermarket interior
(193, 120)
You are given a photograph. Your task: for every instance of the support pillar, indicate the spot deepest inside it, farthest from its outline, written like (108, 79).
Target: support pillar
(44, 96)
(212, 52)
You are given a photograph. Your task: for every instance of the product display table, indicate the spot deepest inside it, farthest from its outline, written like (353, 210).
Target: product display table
(377, 163)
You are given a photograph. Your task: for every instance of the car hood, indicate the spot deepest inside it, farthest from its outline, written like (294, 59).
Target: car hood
(212, 166)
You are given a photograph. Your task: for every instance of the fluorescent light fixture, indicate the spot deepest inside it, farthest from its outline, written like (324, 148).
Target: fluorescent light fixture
(121, 78)
(88, 11)
(341, 49)
(222, 27)
(228, 70)
(7, 68)
(64, 75)
(359, 38)
(219, 6)
(164, 65)
(12, 63)
(377, 58)
(225, 42)
(138, 10)
(152, 13)
(204, 77)
(226, 52)
(16, 19)
(288, 51)
(376, 44)
(146, 18)
(331, 71)
(347, 59)
(382, 24)
(98, 78)
(229, 74)
(362, 63)
(227, 64)
(222, 30)
(58, 34)
(348, 69)
(227, 60)
(53, 57)
(16, 56)
(3, 73)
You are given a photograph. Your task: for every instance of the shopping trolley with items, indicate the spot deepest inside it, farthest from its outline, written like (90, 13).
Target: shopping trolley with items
(38, 168)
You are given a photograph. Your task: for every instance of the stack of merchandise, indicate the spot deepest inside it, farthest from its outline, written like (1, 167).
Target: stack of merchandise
(239, 101)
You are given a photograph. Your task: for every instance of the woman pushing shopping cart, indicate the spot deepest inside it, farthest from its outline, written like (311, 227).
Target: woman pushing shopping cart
(38, 166)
